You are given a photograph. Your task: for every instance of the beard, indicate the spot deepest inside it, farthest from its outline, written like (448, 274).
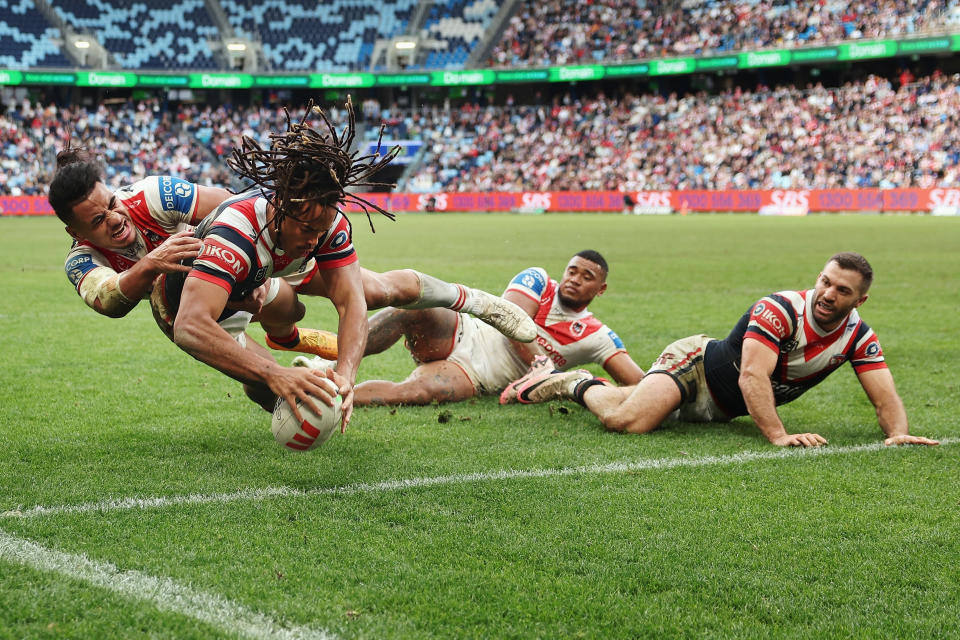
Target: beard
(835, 314)
(570, 302)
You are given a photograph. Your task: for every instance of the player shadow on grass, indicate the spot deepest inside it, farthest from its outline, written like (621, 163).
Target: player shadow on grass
(736, 428)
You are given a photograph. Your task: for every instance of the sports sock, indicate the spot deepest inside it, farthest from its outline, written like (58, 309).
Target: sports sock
(438, 293)
(581, 387)
(289, 341)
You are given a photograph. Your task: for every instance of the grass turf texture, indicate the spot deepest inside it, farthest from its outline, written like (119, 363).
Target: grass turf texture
(862, 543)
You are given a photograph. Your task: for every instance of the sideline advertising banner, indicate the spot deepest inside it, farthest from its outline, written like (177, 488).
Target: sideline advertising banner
(939, 201)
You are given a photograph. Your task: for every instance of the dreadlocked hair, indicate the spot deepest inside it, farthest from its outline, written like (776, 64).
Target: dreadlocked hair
(305, 166)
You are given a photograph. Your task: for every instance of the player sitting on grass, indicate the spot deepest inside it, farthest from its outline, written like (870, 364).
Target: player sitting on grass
(782, 346)
(124, 239)
(292, 226)
(458, 358)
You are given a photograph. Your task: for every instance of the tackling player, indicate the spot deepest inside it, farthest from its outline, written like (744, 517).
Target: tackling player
(458, 357)
(292, 227)
(782, 346)
(123, 240)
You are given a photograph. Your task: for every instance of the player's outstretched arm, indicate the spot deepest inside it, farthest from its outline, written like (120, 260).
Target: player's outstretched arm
(878, 383)
(344, 287)
(756, 365)
(196, 331)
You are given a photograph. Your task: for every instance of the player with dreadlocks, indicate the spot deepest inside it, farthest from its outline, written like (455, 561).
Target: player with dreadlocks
(290, 225)
(124, 239)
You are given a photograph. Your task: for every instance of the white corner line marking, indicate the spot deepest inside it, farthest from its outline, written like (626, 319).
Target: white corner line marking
(252, 495)
(163, 593)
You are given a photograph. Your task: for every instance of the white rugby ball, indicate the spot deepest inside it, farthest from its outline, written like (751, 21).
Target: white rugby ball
(315, 429)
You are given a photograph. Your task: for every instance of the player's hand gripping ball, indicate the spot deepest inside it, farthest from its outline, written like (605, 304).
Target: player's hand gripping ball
(315, 429)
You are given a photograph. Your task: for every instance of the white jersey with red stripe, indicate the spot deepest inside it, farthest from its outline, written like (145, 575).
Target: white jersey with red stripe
(159, 206)
(807, 354)
(239, 254)
(568, 337)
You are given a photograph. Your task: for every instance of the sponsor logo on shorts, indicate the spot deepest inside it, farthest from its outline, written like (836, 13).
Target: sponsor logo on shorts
(664, 359)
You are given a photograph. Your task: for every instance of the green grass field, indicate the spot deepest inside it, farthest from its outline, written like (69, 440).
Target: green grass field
(144, 496)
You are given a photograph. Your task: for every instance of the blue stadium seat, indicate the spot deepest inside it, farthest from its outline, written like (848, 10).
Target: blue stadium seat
(300, 35)
(26, 38)
(161, 34)
(461, 25)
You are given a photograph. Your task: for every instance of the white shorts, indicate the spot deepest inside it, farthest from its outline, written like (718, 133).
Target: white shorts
(683, 361)
(485, 355)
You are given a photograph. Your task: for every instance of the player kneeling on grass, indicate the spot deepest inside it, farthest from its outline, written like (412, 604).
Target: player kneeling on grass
(457, 357)
(782, 346)
(292, 227)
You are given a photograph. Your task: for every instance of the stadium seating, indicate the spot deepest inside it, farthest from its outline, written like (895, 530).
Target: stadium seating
(27, 39)
(301, 35)
(871, 133)
(547, 32)
(460, 25)
(161, 34)
(865, 134)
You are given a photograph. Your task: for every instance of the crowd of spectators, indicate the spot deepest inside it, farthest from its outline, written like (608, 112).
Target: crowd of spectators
(872, 133)
(865, 134)
(546, 32)
(132, 140)
(137, 139)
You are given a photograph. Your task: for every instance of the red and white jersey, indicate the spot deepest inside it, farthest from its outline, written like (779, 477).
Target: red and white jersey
(807, 354)
(239, 255)
(159, 206)
(569, 338)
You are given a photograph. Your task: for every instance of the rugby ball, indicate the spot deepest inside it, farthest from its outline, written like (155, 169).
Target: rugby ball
(315, 429)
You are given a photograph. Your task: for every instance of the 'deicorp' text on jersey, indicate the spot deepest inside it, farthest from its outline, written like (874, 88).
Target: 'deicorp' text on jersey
(159, 206)
(239, 255)
(784, 322)
(567, 337)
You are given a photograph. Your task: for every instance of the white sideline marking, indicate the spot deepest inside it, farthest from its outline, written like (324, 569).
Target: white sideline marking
(126, 504)
(163, 593)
